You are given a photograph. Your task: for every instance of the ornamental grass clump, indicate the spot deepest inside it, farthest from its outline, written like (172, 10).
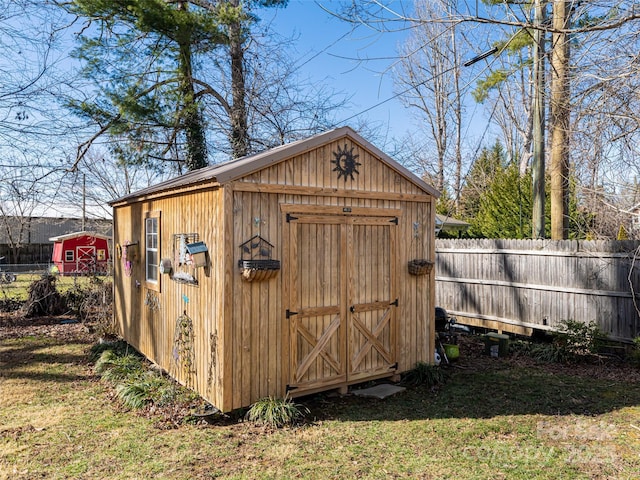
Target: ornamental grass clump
(276, 412)
(150, 388)
(119, 347)
(424, 374)
(117, 368)
(540, 352)
(136, 386)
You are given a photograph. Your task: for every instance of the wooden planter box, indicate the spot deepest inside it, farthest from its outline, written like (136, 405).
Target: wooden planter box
(257, 270)
(420, 266)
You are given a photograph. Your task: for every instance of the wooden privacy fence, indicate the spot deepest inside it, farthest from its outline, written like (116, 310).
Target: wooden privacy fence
(26, 253)
(522, 285)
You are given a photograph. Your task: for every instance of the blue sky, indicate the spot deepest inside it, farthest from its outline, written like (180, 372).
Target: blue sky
(356, 64)
(359, 65)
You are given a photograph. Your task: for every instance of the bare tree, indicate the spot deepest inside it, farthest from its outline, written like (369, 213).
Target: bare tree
(600, 79)
(33, 78)
(24, 194)
(101, 178)
(34, 130)
(428, 78)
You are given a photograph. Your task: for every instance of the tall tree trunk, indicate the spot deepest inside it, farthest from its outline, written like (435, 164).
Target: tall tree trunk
(538, 162)
(196, 156)
(239, 130)
(191, 118)
(559, 106)
(457, 102)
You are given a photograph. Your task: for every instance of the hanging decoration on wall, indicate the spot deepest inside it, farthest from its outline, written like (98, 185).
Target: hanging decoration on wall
(184, 348)
(152, 301)
(213, 355)
(183, 265)
(256, 262)
(345, 161)
(127, 256)
(418, 266)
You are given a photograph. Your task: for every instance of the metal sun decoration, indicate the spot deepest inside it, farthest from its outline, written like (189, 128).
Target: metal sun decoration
(345, 162)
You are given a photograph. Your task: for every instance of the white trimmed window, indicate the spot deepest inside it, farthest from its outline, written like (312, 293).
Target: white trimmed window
(68, 255)
(152, 248)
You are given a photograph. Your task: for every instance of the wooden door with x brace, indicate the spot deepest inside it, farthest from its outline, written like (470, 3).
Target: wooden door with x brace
(342, 299)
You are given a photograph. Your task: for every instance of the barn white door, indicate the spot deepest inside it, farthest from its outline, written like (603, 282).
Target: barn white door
(341, 298)
(85, 259)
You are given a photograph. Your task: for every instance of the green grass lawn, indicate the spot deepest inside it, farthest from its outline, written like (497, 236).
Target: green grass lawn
(494, 418)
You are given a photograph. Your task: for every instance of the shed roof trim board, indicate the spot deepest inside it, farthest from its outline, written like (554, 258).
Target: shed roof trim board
(68, 236)
(449, 223)
(234, 169)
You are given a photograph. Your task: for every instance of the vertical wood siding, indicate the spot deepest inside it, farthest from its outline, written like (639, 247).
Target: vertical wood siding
(540, 283)
(147, 318)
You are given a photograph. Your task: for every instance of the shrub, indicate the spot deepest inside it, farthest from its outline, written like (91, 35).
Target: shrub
(424, 374)
(575, 338)
(93, 303)
(44, 298)
(635, 352)
(8, 304)
(572, 340)
(275, 412)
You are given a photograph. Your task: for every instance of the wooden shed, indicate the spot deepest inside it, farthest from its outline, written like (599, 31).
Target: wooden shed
(300, 269)
(80, 253)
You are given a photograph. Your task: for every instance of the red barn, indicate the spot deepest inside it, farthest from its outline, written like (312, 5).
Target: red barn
(80, 253)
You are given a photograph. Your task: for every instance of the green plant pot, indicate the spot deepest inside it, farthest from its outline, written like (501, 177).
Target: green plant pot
(452, 351)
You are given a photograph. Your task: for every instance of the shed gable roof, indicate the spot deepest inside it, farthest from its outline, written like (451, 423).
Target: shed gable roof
(235, 169)
(69, 236)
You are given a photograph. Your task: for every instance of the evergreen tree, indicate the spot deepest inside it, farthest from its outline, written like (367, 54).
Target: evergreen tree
(496, 199)
(477, 182)
(505, 208)
(445, 204)
(144, 55)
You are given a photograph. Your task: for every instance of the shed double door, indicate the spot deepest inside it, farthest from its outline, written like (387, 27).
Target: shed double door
(342, 299)
(85, 259)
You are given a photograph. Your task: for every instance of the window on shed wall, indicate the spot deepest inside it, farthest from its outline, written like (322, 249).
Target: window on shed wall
(68, 255)
(152, 249)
